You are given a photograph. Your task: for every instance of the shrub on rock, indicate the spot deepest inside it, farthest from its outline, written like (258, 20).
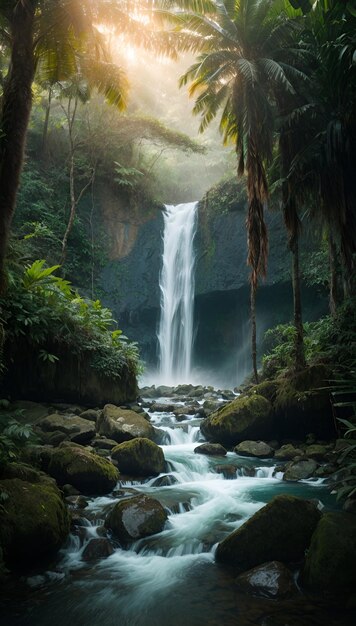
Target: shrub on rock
(34, 522)
(135, 518)
(87, 472)
(139, 457)
(280, 531)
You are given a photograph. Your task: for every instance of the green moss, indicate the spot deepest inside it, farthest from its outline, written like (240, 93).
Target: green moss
(86, 471)
(330, 561)
(246, 417)
(140, 457)
(280, 531)
(33, 522)
(267, 389)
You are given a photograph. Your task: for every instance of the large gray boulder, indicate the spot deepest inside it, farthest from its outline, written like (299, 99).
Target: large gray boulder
(74, 428)
(300, 470)
(280, 531)
(135, 518)
(246, 417)
(123, 425)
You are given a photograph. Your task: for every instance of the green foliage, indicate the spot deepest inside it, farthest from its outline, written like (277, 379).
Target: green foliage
(224, 197)
(345, 387)
(43, 310)
(13, 438)
(330, 339)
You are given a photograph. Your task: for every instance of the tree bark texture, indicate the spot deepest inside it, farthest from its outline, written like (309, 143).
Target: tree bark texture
(15, 114)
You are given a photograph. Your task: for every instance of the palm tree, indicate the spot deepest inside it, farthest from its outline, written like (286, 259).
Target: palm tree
(325, 124)
(241, 67)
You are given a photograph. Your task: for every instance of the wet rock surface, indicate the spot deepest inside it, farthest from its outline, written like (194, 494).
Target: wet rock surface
(210, 449)
(280, 531)
(269, 580)
(136, 518)
(258, 449)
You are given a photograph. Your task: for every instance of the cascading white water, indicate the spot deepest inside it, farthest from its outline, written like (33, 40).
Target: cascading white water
(175, 334)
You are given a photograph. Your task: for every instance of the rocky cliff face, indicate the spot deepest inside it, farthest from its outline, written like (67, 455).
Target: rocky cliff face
(131, 286)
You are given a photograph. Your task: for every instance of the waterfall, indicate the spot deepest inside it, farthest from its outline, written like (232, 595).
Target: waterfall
(175, 334)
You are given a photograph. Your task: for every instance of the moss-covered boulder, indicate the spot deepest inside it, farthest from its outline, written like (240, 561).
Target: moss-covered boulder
(246, 417)
(75, 428)
(86, 471)
(280, 531)
(302, 405)
(300, 470)
(34, 522)
(330, 563)
(258, 449)
(139, 457)
(267, 389)
(123, 425)
(288, 452)
(210, 449)
(136, 518)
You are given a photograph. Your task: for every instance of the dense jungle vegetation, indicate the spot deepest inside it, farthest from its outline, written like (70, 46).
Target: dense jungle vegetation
(279, 76)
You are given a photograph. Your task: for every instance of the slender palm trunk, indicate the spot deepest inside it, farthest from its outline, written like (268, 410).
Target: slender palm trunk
(297, 302)
(46, 123)
(15, 113)
(333, 278)
(253, 330)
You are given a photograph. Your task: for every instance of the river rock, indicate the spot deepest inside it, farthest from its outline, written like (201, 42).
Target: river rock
(316, 452)
(83, 469)
(287, 453)
(269, 580)
(136, 518)
(330, 561)
(210, 449)
(280, 531)
(97, 548)
(73, 427)
(210, 406)
(90, 414)
(158, 407)
(103, 443)
(258, 449)
(139, 457)
(228, 471)
(165, 481)
(299, 470)
(34, 522)
(191, 409)
(123, 425)
(243, 418)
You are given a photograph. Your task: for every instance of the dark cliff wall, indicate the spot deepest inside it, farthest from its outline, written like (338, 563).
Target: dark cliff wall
(131, 286)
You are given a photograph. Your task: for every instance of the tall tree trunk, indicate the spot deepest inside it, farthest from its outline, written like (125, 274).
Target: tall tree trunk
(333, 279)
(253, 330)
(297, 302)
(46, 123)
(15, 114)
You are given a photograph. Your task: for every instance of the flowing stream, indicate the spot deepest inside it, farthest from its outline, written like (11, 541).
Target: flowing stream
(169, 578)
(175, 334)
